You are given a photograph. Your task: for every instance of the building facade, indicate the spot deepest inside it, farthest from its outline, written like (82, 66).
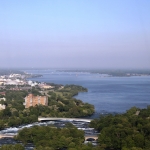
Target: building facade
(32, 100)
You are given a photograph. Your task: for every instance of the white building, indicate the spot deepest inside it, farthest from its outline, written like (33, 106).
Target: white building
(11, 82)
(32, 83)
(1, 105)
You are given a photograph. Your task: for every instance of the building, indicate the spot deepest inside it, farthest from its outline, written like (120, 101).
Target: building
(32, 100)
(45, 86)
(4, 99)
(1, 105)
(14, 82)
(31, 83)
(3, 93)
(1, 83)
(11, 82)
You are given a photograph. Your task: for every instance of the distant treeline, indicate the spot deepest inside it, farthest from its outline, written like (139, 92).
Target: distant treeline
(15, 71)
(10, 71)
(113, 72)
(129, 131)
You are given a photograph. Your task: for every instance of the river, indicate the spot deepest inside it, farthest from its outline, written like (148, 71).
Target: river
(107, 94)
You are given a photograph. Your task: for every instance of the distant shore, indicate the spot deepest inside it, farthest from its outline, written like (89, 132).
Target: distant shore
(111, 73)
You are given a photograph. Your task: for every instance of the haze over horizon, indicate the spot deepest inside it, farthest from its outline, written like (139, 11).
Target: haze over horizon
(75, 34)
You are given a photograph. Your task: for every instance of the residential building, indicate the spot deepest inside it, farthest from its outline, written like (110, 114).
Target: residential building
(32, 100)
(3, 93)
(45, 86)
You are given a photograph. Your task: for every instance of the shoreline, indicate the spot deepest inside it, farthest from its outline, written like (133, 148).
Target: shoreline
(73, 80)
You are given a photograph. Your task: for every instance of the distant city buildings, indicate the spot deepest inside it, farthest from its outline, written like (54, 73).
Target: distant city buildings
(32, 100)
(13, 79)
(17, 82)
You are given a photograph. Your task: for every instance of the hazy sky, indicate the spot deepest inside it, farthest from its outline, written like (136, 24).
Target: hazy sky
(75, 33)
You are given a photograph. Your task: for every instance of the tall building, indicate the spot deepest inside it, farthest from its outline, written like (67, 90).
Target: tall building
(32, 100)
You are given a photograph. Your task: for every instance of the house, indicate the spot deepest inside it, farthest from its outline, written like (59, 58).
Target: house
(3, 93)
(32, 100)
(1, 105)
(1, 82)
(45, 86)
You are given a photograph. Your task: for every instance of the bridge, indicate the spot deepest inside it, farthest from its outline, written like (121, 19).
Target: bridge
(91, 137)
(63, 119)
(6, 136)
(87, 137)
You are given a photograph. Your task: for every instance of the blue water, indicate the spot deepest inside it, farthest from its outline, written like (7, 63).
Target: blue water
(107, 94)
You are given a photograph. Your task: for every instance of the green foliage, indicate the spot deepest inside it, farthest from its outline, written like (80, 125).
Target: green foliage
(6, 112)
(15, 95)
(126, 131)
(61, 101)
(16, 99)
(51, 137)
(12, 147)
(66, 106)
(73, 90)
(35, 91)
(1, 125)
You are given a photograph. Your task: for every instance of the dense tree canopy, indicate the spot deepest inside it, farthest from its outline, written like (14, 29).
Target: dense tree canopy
(125, 131)
(12, 147)
(51, 138)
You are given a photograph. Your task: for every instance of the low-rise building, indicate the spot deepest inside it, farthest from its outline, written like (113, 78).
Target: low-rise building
(3, 93)
(32, 100)
(11, 82)
(31, 83)
(1, 82)
(1, 105)
(45, 86)
(4, 99)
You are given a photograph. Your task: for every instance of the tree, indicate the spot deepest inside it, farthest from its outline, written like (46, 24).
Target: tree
(12, 147)
(139, 140)
(7, 112)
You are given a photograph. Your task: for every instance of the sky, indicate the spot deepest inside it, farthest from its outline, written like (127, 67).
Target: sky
(75, 34)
